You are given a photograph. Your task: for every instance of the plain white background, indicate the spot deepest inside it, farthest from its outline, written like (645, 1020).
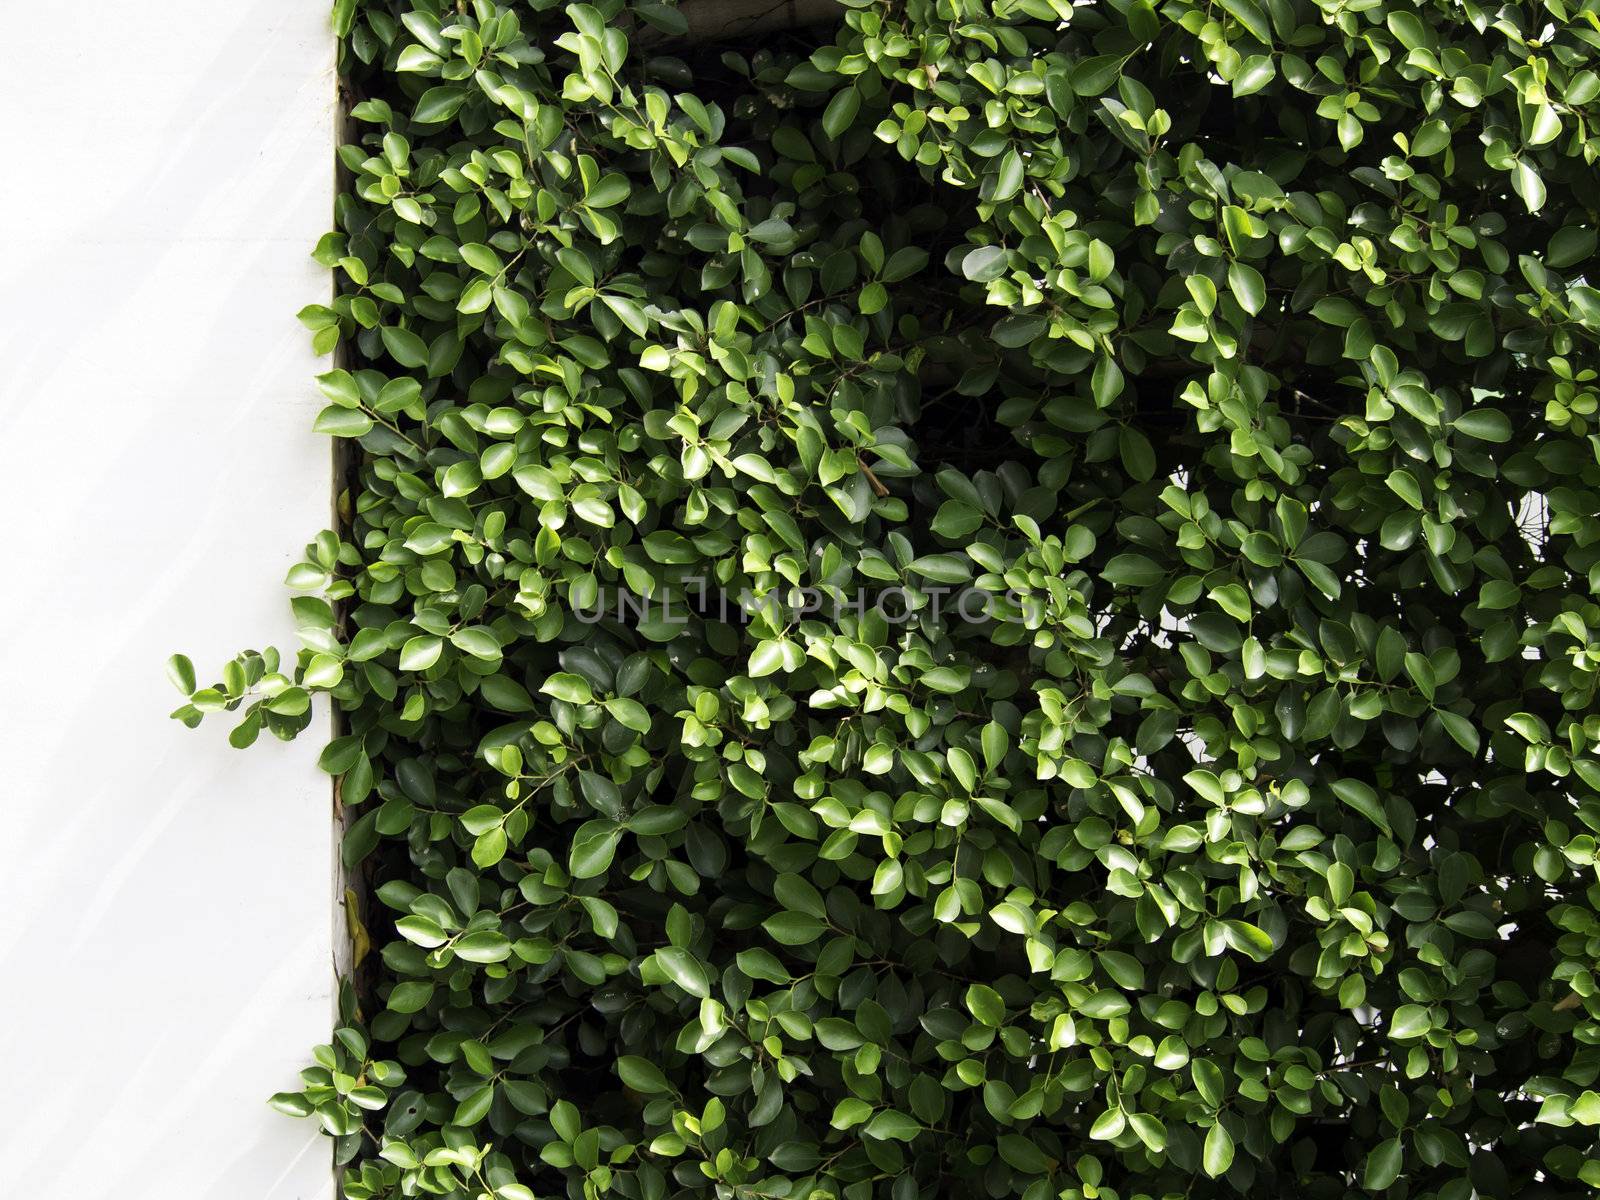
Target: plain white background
(166, 903)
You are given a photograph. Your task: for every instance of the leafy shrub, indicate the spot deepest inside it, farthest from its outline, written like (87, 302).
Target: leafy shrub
(1158, 449)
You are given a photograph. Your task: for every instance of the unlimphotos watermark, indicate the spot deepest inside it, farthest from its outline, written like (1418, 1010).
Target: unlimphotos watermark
(896, 605)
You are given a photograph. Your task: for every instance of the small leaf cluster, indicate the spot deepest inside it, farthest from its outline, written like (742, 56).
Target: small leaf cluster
(1161, 759)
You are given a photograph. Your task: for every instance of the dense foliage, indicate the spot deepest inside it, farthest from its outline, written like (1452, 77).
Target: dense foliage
(1155, 446)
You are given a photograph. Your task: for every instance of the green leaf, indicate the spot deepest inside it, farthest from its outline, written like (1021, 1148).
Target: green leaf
(593, 847)
(841, 112)
(1383, 1165)
(439, 104)
(1571, 245)
(423, 931)
(793, 929)
(343, 422)
(684, 970)
(949, 681)
(629, 713)
(629, 312)
(405, 347)
(1253, 75)
(1216, 1154)
(984, 1003)
(1485, 424)
(892, 1125)
(1404, 484)
(1108, 1125)
(564, 685)
(343, 17)
(1208, 1081)
(956, 520)
(1363, 799)
(1092, 76)
(181, 672)
(1023, 1155)
(941, 568)
(1247, 286)
(478, 642)
(1138, 456)
(850, 1112)
(984, 263)
(796, 893)
(420, 653)
(1461, 730)
(1132, 570)
(1409, 1021)
(642, 1075)
(483, 947)
(1009, 179)
(340, 387)
(1251, 17)
(1407, 28)
(1528, 184)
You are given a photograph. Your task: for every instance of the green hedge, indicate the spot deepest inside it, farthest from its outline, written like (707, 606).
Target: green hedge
(978, 600)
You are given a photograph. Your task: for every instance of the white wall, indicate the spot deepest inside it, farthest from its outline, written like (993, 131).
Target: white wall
(166, 907)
